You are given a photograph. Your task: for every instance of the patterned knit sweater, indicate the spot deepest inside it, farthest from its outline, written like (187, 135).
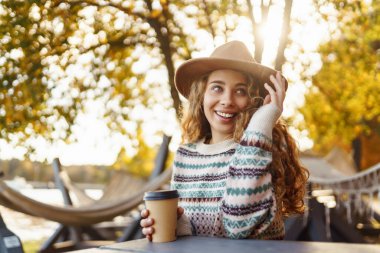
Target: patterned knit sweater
(226, 188)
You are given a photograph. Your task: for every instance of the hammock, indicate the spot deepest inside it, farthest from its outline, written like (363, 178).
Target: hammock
(122, 195)
(79, 216)
(358, 194)
(350, 197)
(121, 183)
(351, 189)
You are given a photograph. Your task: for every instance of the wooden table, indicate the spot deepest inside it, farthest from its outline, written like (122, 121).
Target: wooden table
(197, 244)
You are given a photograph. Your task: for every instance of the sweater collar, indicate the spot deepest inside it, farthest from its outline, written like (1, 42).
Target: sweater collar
(217, 148)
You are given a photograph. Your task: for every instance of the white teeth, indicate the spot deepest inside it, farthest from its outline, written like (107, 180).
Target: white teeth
(225, 115)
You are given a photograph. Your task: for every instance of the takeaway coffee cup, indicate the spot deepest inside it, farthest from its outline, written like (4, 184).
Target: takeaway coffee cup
(162, 206)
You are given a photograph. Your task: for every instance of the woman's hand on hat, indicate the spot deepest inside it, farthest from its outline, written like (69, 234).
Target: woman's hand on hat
(146, 223)
(276, 96)
(265, 118)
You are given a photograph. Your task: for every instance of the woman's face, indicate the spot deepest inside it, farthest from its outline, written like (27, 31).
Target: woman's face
(225, 96)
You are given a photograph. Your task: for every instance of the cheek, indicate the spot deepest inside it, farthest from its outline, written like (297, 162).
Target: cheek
(242, 104)
(206, 110)
(207, 101)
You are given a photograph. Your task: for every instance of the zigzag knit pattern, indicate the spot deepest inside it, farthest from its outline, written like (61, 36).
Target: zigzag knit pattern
(226, 189)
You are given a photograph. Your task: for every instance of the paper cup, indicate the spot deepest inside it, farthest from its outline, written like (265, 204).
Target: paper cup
(162, 206)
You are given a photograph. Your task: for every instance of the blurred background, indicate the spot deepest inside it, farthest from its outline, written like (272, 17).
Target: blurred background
(91, 82)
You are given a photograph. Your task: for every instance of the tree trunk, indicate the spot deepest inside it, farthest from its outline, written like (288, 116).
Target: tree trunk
(369, 150)
(167, 52)
(208, 17)
(284, 39)
(163, 36)
(357, 148)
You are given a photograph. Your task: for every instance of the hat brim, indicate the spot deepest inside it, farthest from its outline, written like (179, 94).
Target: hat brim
(192, 69)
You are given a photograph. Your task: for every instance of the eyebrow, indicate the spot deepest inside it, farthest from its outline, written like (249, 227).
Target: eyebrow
(222, 82)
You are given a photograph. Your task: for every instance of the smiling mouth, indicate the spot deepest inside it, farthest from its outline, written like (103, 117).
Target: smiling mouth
(225, 115)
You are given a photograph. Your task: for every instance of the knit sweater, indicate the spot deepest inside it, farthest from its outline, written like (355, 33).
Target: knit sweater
(226, 189)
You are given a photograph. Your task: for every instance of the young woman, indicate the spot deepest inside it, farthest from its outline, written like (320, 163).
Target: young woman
(237, 173)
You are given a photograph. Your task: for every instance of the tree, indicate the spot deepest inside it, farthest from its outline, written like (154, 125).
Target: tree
(257, 25)
(58, 57)
(43, 49)
(341, 107)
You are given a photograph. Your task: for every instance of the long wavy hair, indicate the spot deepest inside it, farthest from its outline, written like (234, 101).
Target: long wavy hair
(288, 176)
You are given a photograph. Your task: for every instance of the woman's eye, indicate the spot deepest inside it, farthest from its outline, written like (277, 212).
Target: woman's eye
(241, 92)
(216, 88)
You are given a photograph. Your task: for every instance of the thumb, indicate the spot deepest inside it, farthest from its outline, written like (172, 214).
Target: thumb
(266, 99)
(180, 211)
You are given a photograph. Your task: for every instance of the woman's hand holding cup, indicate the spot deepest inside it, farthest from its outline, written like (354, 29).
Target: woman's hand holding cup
(147, 223)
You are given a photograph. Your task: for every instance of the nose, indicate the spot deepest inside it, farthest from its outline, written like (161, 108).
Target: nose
(226, 99)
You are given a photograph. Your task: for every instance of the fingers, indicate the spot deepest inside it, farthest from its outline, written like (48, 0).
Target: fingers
(276, 95)
(180, 211)
(282, 81)
(148, 232)
(277, 82)
(279, 87)
(146, 223)
(144, 213)
(272, 94)
(266, 100)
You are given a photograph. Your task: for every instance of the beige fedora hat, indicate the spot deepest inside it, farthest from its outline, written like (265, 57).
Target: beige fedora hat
(232, 55)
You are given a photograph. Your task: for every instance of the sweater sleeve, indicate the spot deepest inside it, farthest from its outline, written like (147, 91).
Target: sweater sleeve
(184, 226)
(248, 205)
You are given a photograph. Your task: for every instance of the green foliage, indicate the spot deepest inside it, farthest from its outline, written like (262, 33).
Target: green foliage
(142, 163)
(342, 104)
(46, 78)
(59, 57)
